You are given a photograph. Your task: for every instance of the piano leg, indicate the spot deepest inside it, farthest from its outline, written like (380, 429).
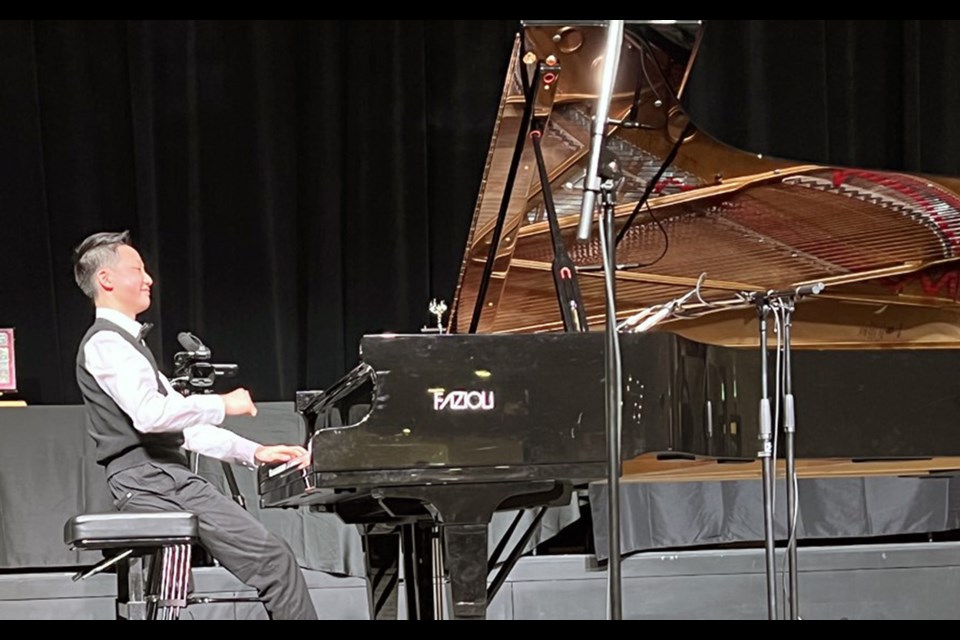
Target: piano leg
(462, 513)
(466, 559)
(384, 546)
(381, 545)
(419, 577)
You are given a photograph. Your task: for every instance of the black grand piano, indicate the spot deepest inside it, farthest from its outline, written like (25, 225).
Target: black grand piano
(504, 409)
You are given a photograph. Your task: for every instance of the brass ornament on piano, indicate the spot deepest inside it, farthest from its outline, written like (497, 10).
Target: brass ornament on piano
(438, 309)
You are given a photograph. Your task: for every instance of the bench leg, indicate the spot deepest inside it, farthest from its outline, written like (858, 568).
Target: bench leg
(131, 600)
(163, 593)
(169, 579)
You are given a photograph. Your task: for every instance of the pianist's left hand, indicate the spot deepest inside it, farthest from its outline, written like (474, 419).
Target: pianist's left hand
(280, 453)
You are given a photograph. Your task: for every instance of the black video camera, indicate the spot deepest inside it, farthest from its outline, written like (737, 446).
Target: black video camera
(193, 373)
(192, 370)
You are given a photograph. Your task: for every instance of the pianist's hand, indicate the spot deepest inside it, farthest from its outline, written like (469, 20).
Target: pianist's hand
(280, 453)
(239, 403)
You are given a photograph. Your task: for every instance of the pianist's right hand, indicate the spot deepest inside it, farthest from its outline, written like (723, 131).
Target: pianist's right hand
(239, 403)
(281, 453)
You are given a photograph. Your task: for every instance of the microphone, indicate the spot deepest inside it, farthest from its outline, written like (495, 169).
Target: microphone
(609, 167)
(810, 289)
(591, 181)
(193, 344)
(798, 292)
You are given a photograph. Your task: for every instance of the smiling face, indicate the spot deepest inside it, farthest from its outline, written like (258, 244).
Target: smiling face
(124, 284)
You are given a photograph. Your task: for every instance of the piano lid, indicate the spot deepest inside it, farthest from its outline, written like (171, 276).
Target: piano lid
(718, 221)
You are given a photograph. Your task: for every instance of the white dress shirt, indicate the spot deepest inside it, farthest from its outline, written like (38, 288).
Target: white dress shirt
(127, 376)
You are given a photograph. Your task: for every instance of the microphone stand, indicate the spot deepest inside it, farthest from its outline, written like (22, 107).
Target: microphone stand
(786, 300)
(766, 455)
(603, 182)
(766, 302)
(612, 381)
(789, 428)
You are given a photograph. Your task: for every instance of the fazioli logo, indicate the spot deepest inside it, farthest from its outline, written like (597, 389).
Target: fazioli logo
(463, 401)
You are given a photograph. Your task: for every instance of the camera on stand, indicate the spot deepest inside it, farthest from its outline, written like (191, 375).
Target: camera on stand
(192, 370)
(193, 373)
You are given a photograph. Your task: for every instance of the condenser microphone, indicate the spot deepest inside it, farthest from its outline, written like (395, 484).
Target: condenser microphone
(592, 179)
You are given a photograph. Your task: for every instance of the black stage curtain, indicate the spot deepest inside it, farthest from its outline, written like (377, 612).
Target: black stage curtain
(293, 185)
(863, 93)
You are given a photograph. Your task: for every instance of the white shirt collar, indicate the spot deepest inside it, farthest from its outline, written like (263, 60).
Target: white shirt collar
(123, 321)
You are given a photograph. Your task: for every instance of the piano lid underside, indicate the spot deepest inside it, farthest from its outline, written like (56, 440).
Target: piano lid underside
(734, 221)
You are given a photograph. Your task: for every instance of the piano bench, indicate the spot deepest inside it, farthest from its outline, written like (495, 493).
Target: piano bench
(161, 541)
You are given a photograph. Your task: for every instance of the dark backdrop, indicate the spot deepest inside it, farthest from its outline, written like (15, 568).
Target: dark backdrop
(293, 185)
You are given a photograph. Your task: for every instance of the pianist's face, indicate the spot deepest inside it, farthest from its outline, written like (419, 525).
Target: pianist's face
(125, 284)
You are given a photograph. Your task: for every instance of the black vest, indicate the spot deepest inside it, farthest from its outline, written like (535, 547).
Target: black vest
(119, 445)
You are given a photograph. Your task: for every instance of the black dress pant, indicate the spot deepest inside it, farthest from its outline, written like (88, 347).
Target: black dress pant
(232, 536)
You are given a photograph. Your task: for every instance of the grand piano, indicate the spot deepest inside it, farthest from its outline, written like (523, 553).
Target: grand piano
(503, 408)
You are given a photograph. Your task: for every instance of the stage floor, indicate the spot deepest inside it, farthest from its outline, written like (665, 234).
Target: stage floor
(875, 581)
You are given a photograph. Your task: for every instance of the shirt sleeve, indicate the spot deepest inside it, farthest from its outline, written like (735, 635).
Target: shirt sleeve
(220, 444)
(127, 377)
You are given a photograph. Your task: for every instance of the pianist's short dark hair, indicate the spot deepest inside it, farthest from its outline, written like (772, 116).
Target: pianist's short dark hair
(93, 254)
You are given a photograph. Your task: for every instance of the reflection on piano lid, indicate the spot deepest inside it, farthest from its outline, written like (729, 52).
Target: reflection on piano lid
(885, 244)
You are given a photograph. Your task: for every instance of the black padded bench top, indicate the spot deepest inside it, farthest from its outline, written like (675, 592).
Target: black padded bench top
(131, 529)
